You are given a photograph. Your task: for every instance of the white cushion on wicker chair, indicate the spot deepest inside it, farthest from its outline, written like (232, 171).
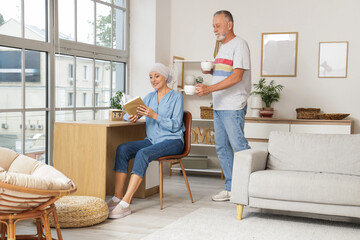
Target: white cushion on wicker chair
(23, 171)
(7, 157)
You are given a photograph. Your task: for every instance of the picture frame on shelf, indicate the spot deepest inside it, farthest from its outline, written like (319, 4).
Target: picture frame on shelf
(180, 72)
(333, 59)
(279, 54)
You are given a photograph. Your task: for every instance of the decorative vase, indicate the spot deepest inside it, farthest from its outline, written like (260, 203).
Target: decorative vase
(267, 112)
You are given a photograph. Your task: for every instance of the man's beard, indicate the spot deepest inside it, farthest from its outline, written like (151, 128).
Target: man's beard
(220, 37)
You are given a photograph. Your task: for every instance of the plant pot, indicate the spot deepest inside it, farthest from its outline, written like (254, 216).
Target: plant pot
(267, 112)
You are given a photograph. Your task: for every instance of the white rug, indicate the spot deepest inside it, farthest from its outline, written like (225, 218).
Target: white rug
(208, 223)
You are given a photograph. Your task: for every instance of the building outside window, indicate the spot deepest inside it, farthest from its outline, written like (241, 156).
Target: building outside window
(71, 71)
(84, 99)
(70, 99)
(85, 68)
(24, 76)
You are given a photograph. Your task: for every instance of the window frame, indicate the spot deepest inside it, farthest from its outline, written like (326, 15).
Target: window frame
(53, 46)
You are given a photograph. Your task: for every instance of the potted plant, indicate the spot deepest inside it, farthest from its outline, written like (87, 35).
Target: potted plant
(269, 93)
(116, 107)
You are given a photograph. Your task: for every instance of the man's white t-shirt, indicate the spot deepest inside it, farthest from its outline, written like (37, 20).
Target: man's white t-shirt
(233, 54)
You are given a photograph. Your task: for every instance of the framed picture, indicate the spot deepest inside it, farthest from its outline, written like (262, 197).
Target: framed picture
(333, 59)
(180, 71)
(279, 54)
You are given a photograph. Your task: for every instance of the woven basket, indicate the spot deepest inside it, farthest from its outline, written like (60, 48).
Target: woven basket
(80, 211)
(307, 113)
(333, 116)
(206, 113)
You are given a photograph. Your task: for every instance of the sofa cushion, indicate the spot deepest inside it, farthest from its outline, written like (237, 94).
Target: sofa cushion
(7, 156)
(332, 153)
(309, 187)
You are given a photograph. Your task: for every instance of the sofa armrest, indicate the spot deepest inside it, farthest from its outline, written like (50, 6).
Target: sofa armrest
(245, 162)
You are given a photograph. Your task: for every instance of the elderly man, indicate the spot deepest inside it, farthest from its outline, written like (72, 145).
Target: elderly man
(230, 90)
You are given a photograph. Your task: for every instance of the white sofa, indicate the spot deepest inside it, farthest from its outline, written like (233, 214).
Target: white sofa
(312, 173)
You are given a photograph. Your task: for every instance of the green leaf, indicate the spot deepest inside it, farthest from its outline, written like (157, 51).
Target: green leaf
(269, 93)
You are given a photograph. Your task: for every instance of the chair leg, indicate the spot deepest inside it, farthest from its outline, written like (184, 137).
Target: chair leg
(239, 211)
(57, 225)
(47, 225)
(11, 230)
(3, 230)
(161, 184)
(186, 181)
(39, 229)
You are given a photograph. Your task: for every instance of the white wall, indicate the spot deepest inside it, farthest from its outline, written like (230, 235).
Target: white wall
(316, 21)
(149, 41)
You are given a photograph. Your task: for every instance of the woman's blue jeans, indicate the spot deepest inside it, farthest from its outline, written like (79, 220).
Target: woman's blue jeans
(229, 138)
(144, 152)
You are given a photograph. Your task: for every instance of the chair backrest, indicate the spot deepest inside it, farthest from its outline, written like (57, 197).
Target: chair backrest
(187, 135)
(187, 118)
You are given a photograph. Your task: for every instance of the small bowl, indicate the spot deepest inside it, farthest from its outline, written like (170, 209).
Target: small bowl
(207, 66)
(189, 89)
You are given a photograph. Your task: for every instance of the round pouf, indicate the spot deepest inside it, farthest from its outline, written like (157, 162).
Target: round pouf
(80, 211)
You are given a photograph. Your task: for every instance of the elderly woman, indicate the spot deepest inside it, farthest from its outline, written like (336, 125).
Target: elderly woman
(164, 136)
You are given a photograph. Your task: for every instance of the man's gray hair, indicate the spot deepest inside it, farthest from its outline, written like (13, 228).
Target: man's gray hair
(226, 13)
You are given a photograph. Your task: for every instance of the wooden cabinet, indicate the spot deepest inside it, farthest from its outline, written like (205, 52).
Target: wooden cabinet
(257, 131)
(85, 152)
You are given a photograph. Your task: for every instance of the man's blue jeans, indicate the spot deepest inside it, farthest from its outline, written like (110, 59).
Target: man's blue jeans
(144, 152)
(229, 138)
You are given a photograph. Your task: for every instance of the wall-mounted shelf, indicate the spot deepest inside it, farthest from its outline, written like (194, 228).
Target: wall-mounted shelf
(207, 170)
(202, 145)
(191, 61)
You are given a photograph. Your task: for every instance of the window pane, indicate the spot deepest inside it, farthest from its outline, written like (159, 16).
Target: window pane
(66, 19)
(35, 27)
(10, 18)
(118, 77)
(61, 116)
(10, 78)
(119, 19)
(84, 82)
(85, 21)
(103, 25)
(35, 135)
(120, 3)
(101, 114)
(64, 81)
(84, 115)
(10, 131)
(102, 84)
(108, 1)
(36, 79)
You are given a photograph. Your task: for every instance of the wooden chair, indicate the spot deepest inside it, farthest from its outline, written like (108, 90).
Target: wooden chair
(35, 204)
(177, 158)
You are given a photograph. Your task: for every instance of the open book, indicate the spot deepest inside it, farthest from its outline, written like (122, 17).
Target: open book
(131, 105)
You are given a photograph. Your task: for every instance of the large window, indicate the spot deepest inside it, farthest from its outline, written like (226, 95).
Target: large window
(85, 54)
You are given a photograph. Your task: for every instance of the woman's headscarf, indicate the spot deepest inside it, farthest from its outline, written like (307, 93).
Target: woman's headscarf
(163, 70)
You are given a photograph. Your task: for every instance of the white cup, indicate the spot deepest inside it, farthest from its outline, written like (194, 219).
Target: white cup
(206, 66)
(189, 89)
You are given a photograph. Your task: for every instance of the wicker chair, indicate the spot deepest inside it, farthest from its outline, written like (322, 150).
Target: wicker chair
(177, 159)
(28, 202)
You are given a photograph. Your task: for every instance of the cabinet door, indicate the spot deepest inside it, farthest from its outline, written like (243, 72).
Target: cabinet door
(262, 130)
(313, 128)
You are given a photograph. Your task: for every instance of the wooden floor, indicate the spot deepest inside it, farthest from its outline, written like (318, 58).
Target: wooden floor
(147, 216)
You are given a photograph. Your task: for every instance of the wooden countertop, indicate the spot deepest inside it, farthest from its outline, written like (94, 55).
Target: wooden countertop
(297, 121)
(105, 123)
